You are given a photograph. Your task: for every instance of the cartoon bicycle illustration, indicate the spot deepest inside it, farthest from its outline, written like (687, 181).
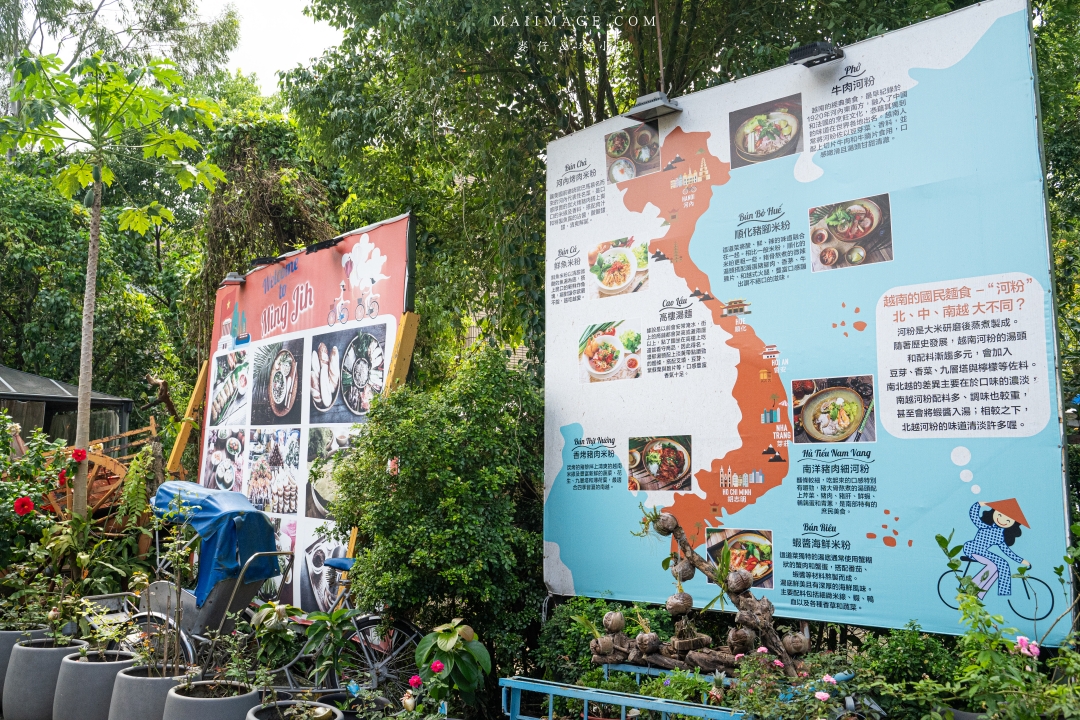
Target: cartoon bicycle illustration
(998, 526)
(339, 309)
(363, 270)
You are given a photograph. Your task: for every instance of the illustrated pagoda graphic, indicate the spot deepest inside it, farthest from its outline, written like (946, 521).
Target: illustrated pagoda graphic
(692, 178)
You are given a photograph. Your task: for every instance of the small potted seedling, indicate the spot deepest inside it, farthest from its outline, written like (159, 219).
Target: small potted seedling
(85, 684)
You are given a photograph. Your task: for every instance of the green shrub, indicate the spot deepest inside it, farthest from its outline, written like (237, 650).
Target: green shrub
(456, 530)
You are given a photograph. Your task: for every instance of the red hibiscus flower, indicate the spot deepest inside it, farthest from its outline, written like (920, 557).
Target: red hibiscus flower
(78, 454)
(61, 479)
(23, 506)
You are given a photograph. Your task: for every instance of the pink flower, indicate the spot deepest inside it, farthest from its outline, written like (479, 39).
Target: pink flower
(822, 696)
(804, 674)
(392, 466)
(437, 666)
(740, 656)
(829, 679)
(763, 649)
(415, 682)
(1027, 647)
(777, 663)
(78, 454)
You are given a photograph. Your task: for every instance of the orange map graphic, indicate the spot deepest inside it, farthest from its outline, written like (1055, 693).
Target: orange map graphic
(682, 193)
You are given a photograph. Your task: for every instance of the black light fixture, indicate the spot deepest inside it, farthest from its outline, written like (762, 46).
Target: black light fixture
(652, 106)
(816, 53)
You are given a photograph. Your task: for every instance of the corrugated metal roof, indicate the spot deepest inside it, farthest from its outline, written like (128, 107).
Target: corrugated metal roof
(19, 385)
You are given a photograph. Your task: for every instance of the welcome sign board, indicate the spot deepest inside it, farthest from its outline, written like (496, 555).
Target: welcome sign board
(303, 345)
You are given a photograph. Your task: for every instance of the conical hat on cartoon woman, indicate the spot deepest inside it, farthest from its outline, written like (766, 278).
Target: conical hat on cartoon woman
(1011, 508)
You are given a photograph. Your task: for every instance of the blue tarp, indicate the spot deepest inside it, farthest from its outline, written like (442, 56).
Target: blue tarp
(232, 530)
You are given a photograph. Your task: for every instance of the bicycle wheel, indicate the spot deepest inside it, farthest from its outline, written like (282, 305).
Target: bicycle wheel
(1032, 599)
(949, 590)
(156, 634)
(382, 662)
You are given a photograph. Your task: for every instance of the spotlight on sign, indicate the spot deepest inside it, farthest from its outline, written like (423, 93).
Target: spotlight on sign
(816, 53)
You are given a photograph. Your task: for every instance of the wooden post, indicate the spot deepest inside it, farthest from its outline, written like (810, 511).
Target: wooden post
(403, 349)
(196, 401)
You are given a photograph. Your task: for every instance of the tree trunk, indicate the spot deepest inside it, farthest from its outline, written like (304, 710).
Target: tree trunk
(86, 350)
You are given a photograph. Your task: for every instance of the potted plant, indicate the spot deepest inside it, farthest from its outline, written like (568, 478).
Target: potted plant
(228, 697)
(85, 684)
(24, 478)
(295, 710)
(140, 692)
(450, 659)
(34, 666)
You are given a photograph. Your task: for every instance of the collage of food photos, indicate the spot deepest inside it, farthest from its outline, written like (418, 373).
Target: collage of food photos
(260, 443)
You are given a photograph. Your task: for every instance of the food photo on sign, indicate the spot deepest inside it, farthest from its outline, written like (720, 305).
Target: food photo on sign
(347, 371)
(611, 351)
(851, 233)
(632, 152)
(835, 410)
(618, 267)
(750, 550)
(277, 371)
(660, 463)
(229, 390)
(766, 131)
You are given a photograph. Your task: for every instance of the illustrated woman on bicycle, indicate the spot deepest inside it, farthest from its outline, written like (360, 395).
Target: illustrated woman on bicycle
(998, 526)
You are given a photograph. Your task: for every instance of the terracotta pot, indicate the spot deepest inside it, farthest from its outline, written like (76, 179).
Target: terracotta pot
(183, 702)
(84, 686)
(30, 682)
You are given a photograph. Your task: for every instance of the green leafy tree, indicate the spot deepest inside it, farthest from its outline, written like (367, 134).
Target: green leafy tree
(446, 106)
(455, 530)
(108, 112)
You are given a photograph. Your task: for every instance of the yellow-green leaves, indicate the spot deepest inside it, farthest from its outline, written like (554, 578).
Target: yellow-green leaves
(140, 219)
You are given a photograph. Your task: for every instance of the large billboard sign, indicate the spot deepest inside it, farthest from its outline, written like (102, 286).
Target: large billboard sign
(302, 345)
(811, 315)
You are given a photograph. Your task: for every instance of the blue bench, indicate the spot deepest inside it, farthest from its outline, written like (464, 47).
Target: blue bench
(515, 686)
